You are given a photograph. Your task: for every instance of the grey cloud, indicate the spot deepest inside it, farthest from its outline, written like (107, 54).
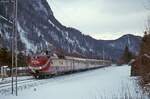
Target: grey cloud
(101, 16)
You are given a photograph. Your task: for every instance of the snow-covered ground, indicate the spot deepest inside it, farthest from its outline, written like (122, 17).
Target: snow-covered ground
(104, 83)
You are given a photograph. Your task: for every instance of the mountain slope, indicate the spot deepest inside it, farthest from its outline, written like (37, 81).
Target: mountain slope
(39, 30)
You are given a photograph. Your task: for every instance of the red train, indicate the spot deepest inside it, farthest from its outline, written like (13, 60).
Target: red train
(42, 66)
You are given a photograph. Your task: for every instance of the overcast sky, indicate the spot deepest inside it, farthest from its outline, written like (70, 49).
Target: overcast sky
(102, 19)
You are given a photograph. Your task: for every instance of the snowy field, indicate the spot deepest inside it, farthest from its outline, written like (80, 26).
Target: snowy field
(104, 83)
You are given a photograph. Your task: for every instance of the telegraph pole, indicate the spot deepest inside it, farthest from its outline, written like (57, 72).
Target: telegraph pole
(12, 74)
(14, 43)
(13, 31)
(103, 55)
(16, 47)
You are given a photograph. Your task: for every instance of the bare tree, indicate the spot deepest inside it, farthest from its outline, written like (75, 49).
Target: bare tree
(147, 6)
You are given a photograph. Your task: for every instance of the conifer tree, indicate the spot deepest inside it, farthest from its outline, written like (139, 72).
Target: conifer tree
(126, 56)
(145, 45)
(5, 57)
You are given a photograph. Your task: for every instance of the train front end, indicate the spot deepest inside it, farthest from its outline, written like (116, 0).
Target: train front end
(39, 66)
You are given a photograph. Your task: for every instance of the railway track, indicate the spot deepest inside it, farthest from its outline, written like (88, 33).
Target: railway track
(8, 84)
(6, 89)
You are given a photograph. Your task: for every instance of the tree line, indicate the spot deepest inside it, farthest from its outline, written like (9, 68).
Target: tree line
(6, 58)
(141, 65)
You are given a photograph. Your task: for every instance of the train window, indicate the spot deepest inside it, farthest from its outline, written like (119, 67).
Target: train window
(34, 57)
(48, 56)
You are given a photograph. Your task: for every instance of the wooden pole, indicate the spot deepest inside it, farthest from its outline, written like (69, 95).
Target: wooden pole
(12, 83)
(16, 47)
(13, 37)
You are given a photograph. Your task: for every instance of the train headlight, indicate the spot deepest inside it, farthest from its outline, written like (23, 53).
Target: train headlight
(40, 67)
(35, 62)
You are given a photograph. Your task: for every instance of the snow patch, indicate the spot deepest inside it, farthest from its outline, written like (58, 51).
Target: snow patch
(24, 40)
(5, 19)
(54, 36)
(112, 45)
(68, 39)
(39, 6)
(7, 36)
(91, 50)
(82, 48)
(147, 56)
(54, 25)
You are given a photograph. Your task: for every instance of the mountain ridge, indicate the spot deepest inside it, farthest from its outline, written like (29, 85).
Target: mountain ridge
(40, 30)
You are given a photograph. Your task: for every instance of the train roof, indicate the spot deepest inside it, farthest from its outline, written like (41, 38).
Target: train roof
(77, 58)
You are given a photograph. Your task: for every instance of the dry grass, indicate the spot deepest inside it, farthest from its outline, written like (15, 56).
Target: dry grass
(126, 92)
